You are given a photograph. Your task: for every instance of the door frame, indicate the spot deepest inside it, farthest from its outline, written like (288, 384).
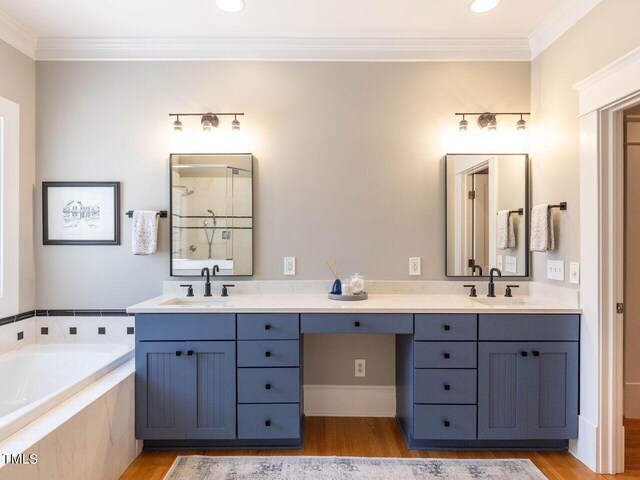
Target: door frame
(602, 99)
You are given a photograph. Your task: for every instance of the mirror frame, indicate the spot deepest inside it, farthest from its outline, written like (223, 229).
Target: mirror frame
(527, 208)
(170, 214)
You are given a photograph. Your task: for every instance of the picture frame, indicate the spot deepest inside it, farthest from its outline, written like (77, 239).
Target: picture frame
(81, 213)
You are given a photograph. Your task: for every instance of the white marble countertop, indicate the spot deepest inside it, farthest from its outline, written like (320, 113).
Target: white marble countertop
(376, 303)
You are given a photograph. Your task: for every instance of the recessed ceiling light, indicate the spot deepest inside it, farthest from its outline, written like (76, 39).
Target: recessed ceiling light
(232, 6)
(481, 6)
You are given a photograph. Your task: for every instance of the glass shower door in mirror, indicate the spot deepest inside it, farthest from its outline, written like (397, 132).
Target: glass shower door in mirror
(211, 214)
(487, 214)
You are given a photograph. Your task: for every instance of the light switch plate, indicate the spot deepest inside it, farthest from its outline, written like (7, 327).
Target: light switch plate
(510, 264)
(414, 266)
(499, 262)
(555, 270)
(574, 273)
(289, 265)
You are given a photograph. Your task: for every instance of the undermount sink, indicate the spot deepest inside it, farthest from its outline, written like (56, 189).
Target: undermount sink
(195, 302)
(503, 301)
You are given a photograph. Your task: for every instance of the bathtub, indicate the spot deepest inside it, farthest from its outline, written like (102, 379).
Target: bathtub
(37, 377)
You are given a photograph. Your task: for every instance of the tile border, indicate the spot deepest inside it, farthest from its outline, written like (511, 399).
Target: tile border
(81, 312)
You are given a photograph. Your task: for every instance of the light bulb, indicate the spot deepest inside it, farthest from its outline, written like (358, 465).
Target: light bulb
(235, 125)
(521, 125)
(464, 124)
(177, 125)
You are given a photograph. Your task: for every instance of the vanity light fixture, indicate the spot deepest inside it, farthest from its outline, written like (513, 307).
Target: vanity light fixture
(208, 120)
(482, 6)
(489, 121)
(231, 6)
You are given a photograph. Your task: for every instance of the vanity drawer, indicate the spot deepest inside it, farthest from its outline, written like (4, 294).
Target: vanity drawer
(446, 327)
(445, 354)
(524, 327)
(185, 326)
(444, 422)
(268, 326)
(356, 323)
(268, 385)
(445, 386)
(275, 420)
(269, 353)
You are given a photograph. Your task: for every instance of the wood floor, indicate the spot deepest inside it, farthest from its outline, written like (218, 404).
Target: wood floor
(381, 437)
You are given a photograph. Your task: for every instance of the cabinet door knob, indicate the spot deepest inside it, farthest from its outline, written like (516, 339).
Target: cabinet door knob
(446, 423)
(267, 423)
(357, 324)
(447, 387)
(524, 354)
(267, 386)
(190, 352)
(536, 353)
(447, 355)
(178, 353)
(267, 354)
(447, 327)
(267, 326)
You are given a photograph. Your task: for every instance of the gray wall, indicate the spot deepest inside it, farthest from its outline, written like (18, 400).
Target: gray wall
(18, 84)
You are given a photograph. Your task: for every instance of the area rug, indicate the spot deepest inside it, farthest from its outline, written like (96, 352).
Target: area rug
(197, 467)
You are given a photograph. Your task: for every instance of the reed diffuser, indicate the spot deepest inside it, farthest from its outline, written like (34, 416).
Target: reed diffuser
(336, 289)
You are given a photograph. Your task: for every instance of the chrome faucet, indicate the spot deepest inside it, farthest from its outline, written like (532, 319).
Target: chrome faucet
(491, 291)
(207, 283)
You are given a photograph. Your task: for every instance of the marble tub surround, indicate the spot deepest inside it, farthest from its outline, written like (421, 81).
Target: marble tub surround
(90, 435)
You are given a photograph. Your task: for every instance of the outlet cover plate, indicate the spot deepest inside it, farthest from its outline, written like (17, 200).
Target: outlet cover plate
(289, 265)
(555, 270)
(574, 273)
(361, 367)
(510, 264)
(414, 266)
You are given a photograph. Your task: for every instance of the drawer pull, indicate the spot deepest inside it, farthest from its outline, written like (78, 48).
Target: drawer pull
(267, 326)
(536, 353)
(524, 354)
(446, 423)
(190, 352)
(447, 327)
(267, 386)
(447, 355)
(178, 353)
(267, 423)
(357, 324)
(447, 387)
(267, 354)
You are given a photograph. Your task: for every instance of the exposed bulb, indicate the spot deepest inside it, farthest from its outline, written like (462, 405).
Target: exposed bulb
(235, 125)
(464, 125)
(177, 125)
(521, 125)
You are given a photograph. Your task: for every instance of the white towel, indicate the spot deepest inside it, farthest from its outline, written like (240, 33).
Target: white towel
(542, 236)
(506, 230)
(144, 232)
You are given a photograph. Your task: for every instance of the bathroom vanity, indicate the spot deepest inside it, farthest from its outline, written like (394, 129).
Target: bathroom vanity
(469, 374)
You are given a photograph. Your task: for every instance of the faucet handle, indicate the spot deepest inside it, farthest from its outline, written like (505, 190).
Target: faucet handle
(224, 290)
(472, 292)
(189, 290)
(507, 292)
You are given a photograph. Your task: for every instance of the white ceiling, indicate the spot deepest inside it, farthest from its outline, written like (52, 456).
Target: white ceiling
(299, 28)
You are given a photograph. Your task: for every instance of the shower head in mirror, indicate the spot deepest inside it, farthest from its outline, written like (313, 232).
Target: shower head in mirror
(186, 192)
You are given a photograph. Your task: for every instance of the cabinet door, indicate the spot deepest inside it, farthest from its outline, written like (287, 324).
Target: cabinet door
(552, 379)
(502, 390)
(160, 390)
(211, 390)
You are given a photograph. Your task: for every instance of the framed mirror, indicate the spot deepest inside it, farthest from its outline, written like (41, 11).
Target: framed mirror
(487, 214)
(211, 213)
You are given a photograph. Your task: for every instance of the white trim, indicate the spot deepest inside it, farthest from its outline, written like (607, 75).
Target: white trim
(350, 400)
(17, 35)
(565, 16)
(585, 449)
(289, 48)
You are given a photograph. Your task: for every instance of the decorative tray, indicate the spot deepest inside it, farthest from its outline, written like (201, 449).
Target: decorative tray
(348, 298)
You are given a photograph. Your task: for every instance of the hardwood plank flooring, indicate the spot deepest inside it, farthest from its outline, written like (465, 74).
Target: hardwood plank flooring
(381, 437)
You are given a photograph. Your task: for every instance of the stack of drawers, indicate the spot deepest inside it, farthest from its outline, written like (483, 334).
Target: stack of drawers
(445, 376)
(268, 376)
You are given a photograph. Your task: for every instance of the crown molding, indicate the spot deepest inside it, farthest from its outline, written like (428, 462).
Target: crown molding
(17, 35)
(568, 13)
(289, 48)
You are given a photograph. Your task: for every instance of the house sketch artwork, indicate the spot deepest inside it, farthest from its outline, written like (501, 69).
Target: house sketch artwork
(74, 212)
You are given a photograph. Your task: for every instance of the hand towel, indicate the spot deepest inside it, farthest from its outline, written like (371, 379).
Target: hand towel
(542, 236)
(144, 231)
(506, 230)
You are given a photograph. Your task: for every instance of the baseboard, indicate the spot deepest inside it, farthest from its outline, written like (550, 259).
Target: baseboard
(350, 400)
(584, 448)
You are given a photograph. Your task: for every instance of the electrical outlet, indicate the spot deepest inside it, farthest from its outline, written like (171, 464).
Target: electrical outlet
(414, 266)
(510, 264)
(289, 265)
(499, 262)
(361, 365)
(574, 273)
(555, 270)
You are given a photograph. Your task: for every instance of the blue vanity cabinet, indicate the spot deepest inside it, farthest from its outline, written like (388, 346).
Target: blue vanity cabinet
(185, 377)
(528, 389)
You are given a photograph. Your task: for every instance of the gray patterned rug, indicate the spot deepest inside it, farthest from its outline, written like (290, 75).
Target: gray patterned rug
(197, 467)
